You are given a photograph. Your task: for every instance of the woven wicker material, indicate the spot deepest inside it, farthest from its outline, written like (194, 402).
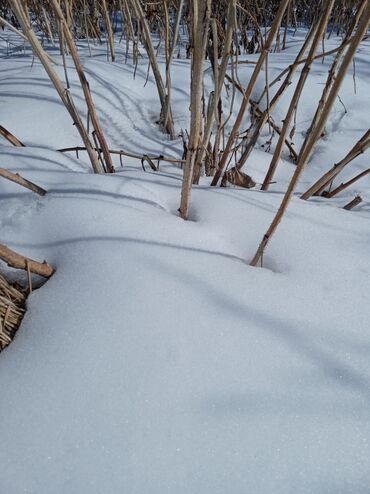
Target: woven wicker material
(12, 309)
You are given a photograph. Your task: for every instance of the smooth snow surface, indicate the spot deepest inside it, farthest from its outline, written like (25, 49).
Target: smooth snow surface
(156, 360)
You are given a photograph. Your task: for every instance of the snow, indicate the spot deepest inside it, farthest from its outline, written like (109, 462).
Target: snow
(155, 359)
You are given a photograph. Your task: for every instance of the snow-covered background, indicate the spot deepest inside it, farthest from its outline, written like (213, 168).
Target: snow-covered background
(156, 360)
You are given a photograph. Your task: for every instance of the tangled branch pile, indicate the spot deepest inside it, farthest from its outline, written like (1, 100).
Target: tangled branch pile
(12, 309)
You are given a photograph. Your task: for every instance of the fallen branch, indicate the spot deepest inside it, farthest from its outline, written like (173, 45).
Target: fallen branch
(14, 177)
(15, 260)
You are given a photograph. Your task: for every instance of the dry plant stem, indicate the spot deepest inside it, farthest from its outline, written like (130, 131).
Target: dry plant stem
(16, 31)
(86, 25)
(201, 12)
(170, 54)
(264, 116)
(14, 177)
(155, 68)
(160, 157)
(15, 260)
(63, 53)
(234, 132)
(357, 149)
(355, 202)
(10, 292)
(85, 86)
(29, 276)
(129, 30)
(108, 26)
(316, 132)
(10, 137)
(347, 184)
(216, 75)
(287, 18)
(220, 73)
(12, 309)
(332, 71)
(262, 119)
(287, 69)
(50, 34)
(166, 34)
(62, 91)
(12, 28)
(297, 94)
(268, 107)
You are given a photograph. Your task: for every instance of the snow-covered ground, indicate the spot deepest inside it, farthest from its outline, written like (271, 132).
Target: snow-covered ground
(156, 360)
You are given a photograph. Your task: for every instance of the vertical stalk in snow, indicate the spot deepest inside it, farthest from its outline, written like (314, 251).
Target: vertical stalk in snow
(265, 115)
(316, 132)
(169, 55)
(85, 86)
(64, 94)
(108, 26)
(333, 69)
(201, 13)
(265, 49)
(219, 77)
(155, 68)
(297, 93)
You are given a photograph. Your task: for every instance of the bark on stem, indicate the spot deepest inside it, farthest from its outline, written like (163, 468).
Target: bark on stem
(15, 260)
(201, 12)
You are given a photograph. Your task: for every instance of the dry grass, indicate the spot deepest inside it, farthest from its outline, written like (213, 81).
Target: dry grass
(12, 309)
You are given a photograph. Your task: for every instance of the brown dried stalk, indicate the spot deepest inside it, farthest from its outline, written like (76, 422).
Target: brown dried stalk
(15, 260)
(219, 76)
(355, 202)
(201, 13)
(163, 96)
(263, 117)
(85, 86)
(108, 26)
(16, 178)
(297, 94)
(332, 71)
(120, 152)
(329, 176)
(316, 132)
(343, 186)
(245, 102)
(10, 137)
(19, 9)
